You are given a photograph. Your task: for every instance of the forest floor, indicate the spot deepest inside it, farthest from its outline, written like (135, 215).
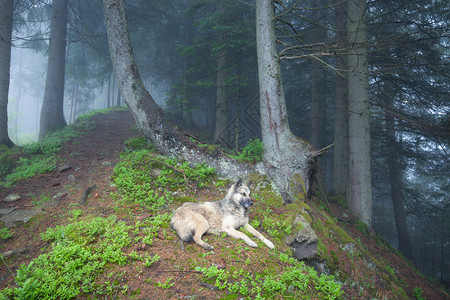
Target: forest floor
(90, 160)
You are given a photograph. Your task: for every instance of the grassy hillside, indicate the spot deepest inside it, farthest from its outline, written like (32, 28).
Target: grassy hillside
(118, 243)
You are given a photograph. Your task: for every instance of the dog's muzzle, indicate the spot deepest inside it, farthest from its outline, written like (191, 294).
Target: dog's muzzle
(246, 202)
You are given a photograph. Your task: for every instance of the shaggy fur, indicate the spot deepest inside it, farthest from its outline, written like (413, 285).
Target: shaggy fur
(192, 220)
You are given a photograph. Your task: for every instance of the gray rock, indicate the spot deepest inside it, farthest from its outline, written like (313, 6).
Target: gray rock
(71, 178)
(19, 216)
(19, 250)
(5, 211)
(349, 248)
(303, 242)
(60, 195)
(12, 198)
(64, 168)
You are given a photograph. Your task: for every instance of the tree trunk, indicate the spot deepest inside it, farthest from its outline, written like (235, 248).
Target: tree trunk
(316, 120)
(18, 100)
(186, 105)
(6, 20)
(340, 156)
(360, 197)
(108, 94)
(119, 101)
(395, 178)
(74, 104)
(221, 99)
(149, 117)
(287, 159)
(113, 90)
(52, 112)
(188, 119)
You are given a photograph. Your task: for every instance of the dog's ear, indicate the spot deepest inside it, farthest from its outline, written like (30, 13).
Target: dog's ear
(249, 183)
(239, 182)
(233, 187)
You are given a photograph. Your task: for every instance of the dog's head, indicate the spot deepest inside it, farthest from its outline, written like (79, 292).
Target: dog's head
(240, 193)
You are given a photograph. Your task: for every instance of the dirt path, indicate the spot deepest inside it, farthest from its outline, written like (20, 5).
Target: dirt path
(86, 162)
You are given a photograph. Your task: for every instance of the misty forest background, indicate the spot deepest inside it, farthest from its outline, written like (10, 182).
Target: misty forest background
(198, 60)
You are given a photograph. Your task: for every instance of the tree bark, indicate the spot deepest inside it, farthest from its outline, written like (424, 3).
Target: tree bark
(6, 20)
(221, 98)
(316, 105)
(74, 103)
(287, 159)
(340, 155)
(52, 112)
(108, 93)
(360, 197)
(186, 105)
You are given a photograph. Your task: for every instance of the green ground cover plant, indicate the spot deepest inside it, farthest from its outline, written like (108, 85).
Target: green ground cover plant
(83, 257)
(293, 279)
(5, 233)
(252, 152)
(80, 252)
(21, 163)
(149, 179)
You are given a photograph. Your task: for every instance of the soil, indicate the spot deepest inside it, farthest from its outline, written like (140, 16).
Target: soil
(90, 161)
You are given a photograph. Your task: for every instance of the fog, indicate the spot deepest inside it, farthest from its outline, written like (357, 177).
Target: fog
(26, 92)
(178, 46)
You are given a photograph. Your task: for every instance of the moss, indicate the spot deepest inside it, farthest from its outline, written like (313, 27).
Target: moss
(362, 227)
(307, 216)
(342, 234)
(399, 292)
(138, 143)
(322, 250)
(319, 227)
(334, 262)
(269, 197)
(297, 227)
(340, 200)
(257, 178)
(210, 149)
(298, 185)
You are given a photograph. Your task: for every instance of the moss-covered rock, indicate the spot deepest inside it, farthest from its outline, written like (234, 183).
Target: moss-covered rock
(303, 241)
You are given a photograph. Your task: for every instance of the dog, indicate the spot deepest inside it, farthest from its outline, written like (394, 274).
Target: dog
(192, 220)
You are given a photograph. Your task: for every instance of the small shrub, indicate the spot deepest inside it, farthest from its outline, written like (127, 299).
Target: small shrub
(252, 152)
(7, 161)
(150, 260)
(417, 293)
(29, 167)
(167, 284)
(5, 233)
(138, 143)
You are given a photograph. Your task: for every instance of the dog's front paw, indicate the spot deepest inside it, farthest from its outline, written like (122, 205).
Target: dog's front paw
(252, 244)
(207, 247)
(269, 243)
